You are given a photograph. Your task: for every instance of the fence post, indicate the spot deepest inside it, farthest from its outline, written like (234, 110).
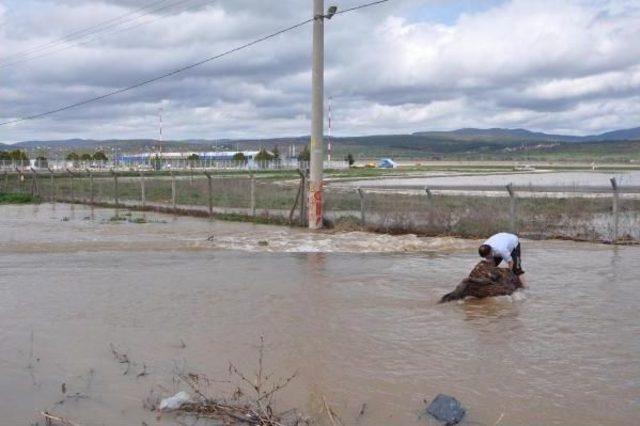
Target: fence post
(303, 197)
(362, 207)
(20, 180)
(91, 196)
(512, 208)
(34, 183)
(173, 190)
(115, 188)
(429, 206)
(210, 183)
(298, 194)
(71, 189)
(143, 200)
(54, 192)
(615, 209)
(429, 193)
(253, 194)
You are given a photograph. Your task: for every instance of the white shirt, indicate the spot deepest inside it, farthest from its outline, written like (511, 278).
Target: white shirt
(502, 245)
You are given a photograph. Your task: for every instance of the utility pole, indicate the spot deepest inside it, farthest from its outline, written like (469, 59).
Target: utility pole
(315, 211)
(329, 133)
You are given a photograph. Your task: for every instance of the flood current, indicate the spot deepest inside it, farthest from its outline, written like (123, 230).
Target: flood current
(355, 314)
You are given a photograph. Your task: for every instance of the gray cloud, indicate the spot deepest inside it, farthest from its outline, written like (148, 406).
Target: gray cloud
(570, 66)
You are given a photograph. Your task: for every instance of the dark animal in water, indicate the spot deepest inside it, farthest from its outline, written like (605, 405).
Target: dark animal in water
(485, 280)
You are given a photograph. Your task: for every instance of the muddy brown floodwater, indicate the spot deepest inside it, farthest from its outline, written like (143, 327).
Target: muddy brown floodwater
(355, 314)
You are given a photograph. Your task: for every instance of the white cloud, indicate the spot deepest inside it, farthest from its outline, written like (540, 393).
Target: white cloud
(570, 65)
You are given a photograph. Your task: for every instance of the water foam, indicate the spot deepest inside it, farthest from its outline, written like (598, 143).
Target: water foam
(351, 242)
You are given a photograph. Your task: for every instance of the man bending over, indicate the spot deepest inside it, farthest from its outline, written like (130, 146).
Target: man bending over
(503, 246)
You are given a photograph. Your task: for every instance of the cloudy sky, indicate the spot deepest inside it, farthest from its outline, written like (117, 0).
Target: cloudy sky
(565, 66)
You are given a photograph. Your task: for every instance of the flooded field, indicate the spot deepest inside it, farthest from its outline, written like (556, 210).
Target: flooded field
(578, 178)
(355, 314)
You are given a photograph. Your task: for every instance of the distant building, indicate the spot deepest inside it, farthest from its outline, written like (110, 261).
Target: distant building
(387, 163)
(208, 156)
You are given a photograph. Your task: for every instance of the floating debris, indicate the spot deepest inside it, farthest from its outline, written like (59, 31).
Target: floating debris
(174, 402)
(485, 280)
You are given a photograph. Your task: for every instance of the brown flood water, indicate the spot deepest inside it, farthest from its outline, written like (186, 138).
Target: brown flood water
(355, 314)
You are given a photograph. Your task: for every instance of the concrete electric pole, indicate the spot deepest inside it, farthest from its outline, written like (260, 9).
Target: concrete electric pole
(317, 116)
(329, 133)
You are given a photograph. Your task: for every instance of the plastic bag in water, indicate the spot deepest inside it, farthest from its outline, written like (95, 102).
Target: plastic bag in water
(446, 409)
(174, 402)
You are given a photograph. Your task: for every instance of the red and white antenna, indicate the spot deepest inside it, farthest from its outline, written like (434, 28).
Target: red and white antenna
(161, 136)
(160, 122)
(329, 133)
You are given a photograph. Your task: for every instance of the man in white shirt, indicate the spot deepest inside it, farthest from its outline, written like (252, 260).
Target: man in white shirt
(503, 246)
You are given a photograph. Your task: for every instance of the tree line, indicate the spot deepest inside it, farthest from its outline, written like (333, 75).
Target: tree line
(263, 155)
(98, 156)
(19, 155)
(15, 155)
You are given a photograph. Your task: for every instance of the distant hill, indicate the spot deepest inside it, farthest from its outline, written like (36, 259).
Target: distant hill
(616, 135)
(523, 135)
(499, 135)
(461, 143)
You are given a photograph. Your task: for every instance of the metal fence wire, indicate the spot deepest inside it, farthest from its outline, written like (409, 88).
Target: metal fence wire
(609, 213)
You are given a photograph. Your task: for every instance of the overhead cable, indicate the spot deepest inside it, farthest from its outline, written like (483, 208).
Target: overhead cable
(182, 69)
(76, 38)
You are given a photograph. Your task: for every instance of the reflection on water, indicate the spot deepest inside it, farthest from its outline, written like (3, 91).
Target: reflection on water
(360, 327)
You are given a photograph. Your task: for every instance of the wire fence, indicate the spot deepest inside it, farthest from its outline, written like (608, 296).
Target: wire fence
(592, 213)
(179, 164)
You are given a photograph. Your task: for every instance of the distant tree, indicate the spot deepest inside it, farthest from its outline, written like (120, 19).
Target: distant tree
(240, 157)
(18, 155)
(72, 156)
(100, 156)
(86, 157)
(264, 155)
(42, 162)
(305, 155)
(192, 159)
(276, 153)
(156, 162)
(349, 159)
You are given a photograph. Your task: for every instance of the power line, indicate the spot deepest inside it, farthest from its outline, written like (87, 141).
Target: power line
(152, 80)
(184, 68)
(83, 39)
(74, 34)
(80, 42)
(76, 38)
(361, 6)
(166, 15)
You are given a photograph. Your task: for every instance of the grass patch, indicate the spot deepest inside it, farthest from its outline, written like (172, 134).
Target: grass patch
(138, 220)
(18, 198)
